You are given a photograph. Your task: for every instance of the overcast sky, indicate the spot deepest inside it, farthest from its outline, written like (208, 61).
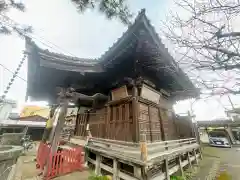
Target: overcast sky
(86, 35)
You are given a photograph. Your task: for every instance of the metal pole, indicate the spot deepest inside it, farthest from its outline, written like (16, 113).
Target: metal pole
(230, 102)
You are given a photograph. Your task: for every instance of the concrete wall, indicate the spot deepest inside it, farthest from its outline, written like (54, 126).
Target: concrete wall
(11, 138)
(8, 159)
(5, 110)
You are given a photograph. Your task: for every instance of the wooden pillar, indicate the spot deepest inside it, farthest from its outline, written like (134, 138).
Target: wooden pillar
(137, 172)
(167, 169)
(56, 130)
(115, 169)
(195, 155)
(143, 148)
(189, 160)
(181, 167)
(161, 125)
(97, 165)
(135, 114)
(200, 152)
(59, 125)
(76, 125)
(107, 123)
(150, 123)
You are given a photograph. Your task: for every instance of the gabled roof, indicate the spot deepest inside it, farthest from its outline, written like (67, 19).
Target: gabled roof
(141, 19)
(35, 118)
(62, 62)
(143, 22)
(126, 45)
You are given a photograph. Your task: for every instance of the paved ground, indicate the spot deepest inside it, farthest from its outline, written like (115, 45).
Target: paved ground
(216, 161)
(27, 169)
(230, 162)
(223, 163)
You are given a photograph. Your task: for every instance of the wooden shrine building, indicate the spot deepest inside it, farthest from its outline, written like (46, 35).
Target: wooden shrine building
(136, 79)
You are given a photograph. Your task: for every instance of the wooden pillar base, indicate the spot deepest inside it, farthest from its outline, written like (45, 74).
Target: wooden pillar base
(166, 169)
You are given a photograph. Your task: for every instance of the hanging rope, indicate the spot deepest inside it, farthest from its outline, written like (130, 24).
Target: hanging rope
(14, 77)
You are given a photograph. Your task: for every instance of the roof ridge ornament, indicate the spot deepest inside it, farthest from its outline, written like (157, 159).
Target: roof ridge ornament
(143, 11)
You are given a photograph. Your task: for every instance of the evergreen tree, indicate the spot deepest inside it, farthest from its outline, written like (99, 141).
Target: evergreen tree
(111, 8)
(7, 26)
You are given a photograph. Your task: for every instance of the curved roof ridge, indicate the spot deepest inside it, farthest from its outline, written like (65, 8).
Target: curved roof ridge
(61, 57)
(164, 49)
(139, 16)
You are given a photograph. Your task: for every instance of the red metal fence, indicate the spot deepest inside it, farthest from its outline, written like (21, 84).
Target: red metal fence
(61, 162)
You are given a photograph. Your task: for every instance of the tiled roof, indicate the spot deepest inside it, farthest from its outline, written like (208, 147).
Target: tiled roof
(68, 63)
(67, 59)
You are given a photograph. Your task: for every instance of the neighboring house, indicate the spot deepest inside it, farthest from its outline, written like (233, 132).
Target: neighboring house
(32, 110)
(35, 126)
(6, 107)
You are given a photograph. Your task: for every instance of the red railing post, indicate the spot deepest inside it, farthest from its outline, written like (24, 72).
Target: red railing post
(61, 162)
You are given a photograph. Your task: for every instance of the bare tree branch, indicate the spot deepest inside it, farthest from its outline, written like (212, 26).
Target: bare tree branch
(207, 42)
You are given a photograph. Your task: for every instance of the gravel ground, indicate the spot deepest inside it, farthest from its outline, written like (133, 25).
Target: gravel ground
(219, 162)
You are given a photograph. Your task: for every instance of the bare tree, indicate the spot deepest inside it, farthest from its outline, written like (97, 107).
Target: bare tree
(207, 39)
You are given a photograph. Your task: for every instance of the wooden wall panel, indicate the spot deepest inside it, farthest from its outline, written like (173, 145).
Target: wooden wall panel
(184, 127)
(120, 125)
(149, 122)
(172, 126)
(155, 124)
(81, 123)
(97, 129)
(150, 94)
(97, 123)
(144, 122)
(165, 103)
(119, 93)
(169, 126)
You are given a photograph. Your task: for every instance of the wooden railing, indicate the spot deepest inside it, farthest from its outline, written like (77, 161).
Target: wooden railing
(141, 152)
(141, 156)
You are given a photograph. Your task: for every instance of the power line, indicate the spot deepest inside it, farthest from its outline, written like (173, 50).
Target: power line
(13, 24)
(14, 76)
(36, 37)
(52, 44)
(13, 72)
